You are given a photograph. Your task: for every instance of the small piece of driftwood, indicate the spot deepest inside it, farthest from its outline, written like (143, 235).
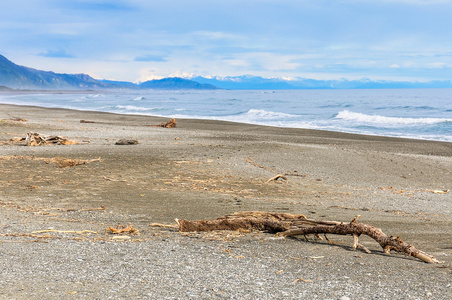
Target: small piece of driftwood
(169, 124)
(275, 178)
(120, 229)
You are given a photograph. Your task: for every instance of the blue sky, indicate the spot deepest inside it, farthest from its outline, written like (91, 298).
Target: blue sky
(144, 39)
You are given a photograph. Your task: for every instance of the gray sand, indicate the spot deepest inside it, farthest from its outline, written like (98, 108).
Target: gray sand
(206, 169)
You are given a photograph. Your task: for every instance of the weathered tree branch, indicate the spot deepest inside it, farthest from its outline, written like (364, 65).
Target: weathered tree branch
(36, 139)
(286, 225)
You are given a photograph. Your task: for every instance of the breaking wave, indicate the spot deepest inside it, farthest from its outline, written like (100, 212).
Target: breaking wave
(383, 120)
(266, 115)
(133, 108)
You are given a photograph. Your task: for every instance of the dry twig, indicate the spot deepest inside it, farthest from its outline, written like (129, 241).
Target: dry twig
(275, 178)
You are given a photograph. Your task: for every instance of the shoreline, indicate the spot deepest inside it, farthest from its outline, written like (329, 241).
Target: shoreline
(305, 130)
(204, 169)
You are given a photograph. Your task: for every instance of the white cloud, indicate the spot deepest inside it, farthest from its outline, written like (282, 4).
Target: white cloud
(216, 35)
(436, 65)
(266, 38)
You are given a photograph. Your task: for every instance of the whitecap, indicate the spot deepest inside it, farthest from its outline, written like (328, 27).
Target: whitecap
(134, 108)
(383, 120)
(267, 115)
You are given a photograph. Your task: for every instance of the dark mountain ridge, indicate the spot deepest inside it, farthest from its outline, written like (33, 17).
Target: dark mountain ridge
(20, 77)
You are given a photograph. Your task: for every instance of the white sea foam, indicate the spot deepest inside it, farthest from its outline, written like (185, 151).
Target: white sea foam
(252, 116)
(261, 114)
(383, 120)
(133, 108)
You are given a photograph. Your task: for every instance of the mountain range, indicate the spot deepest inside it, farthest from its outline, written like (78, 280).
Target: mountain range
(19, 77)
(259, 83)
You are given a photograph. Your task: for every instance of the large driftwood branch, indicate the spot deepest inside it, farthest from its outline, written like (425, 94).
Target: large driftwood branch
(286, 225)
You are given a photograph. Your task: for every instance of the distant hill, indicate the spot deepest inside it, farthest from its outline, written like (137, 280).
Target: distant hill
(248, 82)
(4, 88)
(175, 83)
(121, 84)
(20, 77)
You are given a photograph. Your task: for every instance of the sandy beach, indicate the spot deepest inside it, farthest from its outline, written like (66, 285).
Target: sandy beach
(53, 216)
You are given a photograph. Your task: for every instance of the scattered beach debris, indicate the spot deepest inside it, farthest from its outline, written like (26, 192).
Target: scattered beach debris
(121, 237)
(85, 121)
(395, 191)
(13, 119)
(169, 124)
(275, 178)
(115, 180)
(65, 231)
(164, 225)
(62, 162)
(120, 229)
(45, 211)
(252, 162)
(287, 225)
(303, 280)
(126, 142)
(295, 173)
(36, 139)
(438, 191)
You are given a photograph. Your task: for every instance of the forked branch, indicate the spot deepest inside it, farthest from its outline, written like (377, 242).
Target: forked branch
(286, 225)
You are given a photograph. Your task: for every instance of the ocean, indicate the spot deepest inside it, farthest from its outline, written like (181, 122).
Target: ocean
(409, 113)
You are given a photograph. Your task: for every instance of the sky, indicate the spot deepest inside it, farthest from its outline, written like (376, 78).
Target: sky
(139, 40)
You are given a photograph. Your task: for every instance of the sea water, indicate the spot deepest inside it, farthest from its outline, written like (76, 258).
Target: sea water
(410, 113)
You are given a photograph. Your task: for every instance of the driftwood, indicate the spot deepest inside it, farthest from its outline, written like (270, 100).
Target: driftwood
(286, 225)
(275, 178)
(36, 139)
(120, 229)
(169, 124)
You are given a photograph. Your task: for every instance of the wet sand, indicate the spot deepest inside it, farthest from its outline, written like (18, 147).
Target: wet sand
(205, 169)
